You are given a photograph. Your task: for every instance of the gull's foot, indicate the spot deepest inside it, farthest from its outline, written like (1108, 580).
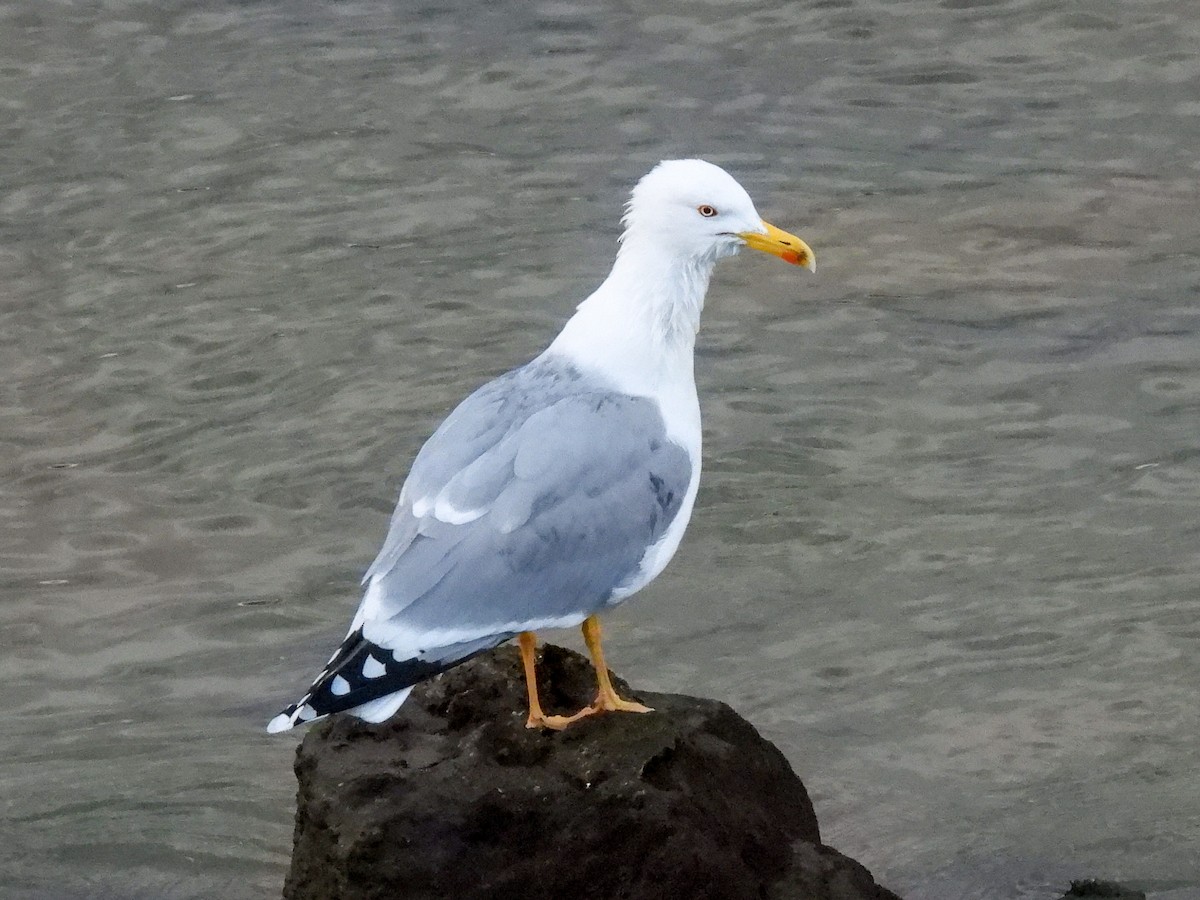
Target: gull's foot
(608, 701)
(602, 704)
(557, 723)
(616, 704)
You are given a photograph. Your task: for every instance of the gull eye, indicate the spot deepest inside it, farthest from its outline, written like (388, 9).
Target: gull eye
(707, 211)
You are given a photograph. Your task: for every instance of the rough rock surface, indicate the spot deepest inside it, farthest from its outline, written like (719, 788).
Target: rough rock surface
(1106, 889)
(456, 798)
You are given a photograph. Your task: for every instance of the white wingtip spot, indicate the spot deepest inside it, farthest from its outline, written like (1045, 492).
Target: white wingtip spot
(339, 686)
(373, 668)
(445, 511)
(280, 723)
(305, 713)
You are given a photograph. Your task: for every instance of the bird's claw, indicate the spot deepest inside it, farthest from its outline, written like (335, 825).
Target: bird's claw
(603, 703)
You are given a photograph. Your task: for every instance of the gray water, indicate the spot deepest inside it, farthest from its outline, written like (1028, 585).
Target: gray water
(945, 552)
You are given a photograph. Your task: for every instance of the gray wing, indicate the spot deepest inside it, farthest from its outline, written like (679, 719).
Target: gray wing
(535, 499)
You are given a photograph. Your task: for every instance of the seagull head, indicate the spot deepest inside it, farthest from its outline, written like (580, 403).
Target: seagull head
(696, 211)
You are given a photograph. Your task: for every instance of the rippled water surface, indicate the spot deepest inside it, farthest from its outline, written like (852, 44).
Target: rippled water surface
(945, 553)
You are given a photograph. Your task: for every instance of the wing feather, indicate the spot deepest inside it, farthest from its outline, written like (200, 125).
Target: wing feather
(533, 505)
(542, 493)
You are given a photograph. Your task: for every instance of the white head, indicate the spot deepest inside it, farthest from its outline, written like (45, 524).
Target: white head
(697, 212)
(681, 218)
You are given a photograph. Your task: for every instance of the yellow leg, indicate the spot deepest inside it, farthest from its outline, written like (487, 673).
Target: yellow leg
(527, 641)
(606, 698)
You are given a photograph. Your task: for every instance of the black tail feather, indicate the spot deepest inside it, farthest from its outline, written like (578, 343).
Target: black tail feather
(361, 671)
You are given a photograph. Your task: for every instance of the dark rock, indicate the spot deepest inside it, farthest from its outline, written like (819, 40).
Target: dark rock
(1097, 889)
(455, 798)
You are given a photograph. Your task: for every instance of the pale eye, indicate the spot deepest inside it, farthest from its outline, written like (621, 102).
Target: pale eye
(707, 211)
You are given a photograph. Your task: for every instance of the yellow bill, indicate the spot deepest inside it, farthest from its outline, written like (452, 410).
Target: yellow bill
(779, 243)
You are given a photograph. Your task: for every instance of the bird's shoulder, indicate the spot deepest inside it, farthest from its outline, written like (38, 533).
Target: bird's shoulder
(541, 446)
(545, 407)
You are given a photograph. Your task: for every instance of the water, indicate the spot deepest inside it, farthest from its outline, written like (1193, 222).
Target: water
(945, 550)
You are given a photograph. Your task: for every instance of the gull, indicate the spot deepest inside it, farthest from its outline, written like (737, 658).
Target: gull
(562, 488)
